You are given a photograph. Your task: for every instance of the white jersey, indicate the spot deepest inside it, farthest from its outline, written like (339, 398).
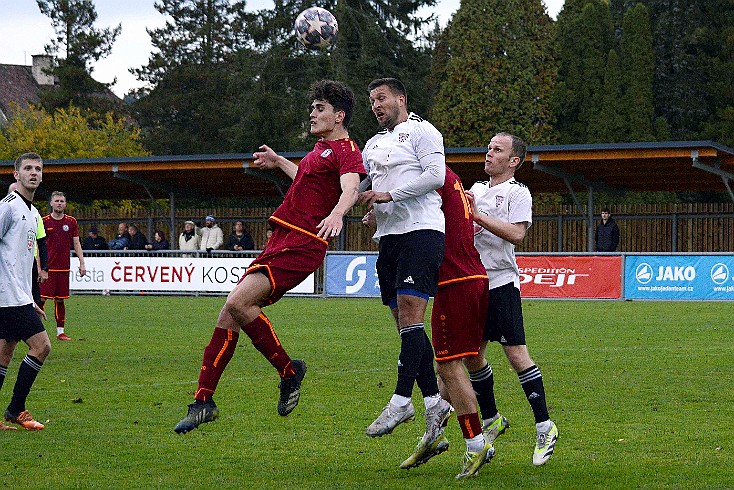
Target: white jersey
(18, 225)
(510, 202)
(409, 163)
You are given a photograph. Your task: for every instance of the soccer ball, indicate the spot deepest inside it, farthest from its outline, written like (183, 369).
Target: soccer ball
(316, 28)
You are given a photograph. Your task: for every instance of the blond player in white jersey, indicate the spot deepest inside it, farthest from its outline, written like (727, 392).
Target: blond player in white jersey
(503, 212)
(405, 166)
(19, 315)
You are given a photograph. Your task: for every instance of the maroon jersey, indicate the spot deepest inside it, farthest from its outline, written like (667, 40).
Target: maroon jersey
(59, 241)
(461, 260)
(316, 188)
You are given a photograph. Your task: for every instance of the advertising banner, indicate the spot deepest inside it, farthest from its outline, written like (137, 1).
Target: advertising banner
(352, 275)
(587, 277)
(679, 277)
(123, 273)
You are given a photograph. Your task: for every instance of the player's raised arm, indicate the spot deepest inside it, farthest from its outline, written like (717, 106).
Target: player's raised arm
(266, 158)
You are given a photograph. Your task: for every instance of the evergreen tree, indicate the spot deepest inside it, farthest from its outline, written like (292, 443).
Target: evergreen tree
(499, 73)
(681, 76)
(583, 42)
(636, 47)
(185, 109)
(610, 126)
(76, 46)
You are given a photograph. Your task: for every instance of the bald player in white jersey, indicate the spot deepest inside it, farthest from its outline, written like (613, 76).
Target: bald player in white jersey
(405, 166)
(19, 315)
(503, 211)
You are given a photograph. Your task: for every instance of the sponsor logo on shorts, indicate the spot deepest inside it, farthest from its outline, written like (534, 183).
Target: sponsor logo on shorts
(409, 280)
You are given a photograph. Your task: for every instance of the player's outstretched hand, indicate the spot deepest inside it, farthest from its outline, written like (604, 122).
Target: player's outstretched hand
(330, 226)
(266, 158)
(371, 197)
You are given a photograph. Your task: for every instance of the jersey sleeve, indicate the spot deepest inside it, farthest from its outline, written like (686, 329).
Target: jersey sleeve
(40, 229)
(6, 219)
(350, 158)
(428, 140)
(73, 227)
(521, 206)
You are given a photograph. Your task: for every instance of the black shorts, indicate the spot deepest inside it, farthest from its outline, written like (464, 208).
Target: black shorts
(19, 322)
(504, 316)
(409, 261)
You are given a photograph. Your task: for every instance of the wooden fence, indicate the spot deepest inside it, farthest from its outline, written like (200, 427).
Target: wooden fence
(643, 227)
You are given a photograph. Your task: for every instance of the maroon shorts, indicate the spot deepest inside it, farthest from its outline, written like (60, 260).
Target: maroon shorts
(457, 319)
(288, 259)
(56, 286)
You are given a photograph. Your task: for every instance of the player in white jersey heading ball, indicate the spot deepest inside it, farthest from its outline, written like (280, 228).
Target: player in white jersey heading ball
(503, 212)
(405, 166)
(19, 315)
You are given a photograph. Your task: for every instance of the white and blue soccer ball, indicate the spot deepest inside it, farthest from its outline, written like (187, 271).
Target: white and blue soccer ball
(316, 28)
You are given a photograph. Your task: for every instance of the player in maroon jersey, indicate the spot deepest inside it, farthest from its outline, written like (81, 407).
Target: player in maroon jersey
(62, 234)
(324, 188)
(457, 324)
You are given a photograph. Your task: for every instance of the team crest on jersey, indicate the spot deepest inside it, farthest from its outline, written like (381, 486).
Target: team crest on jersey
(326, 153)
(65, 227)
(499, 200)
(403, 137)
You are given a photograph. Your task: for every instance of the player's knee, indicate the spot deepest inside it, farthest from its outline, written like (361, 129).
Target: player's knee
(474, 363)
(41, 350)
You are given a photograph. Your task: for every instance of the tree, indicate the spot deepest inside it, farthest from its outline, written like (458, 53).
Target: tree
(67, 133)
(80, 44)
(498, 75)
(185, 109)
(636, 48)
(611, 125)
(584, 38)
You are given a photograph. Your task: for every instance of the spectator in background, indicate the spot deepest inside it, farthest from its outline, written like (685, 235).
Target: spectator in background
(268, 234)
(212, 236)
(138, 241)
(122, 239)
(93, 241)
(240, 239)
(607, 233)
(189, 238)
(159, 242)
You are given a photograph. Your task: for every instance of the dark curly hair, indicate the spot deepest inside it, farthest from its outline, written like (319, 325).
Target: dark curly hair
(335, 93)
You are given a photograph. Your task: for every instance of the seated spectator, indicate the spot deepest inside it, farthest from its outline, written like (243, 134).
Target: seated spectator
(189, 238)
(122, 239)
(212, 236)
(159, 242)
(93, 241)
(138, 241)
(240, 239)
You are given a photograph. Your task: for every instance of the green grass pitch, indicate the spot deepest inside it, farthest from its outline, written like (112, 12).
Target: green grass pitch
(641, 393)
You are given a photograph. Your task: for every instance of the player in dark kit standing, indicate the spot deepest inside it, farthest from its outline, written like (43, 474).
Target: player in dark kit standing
(62, 234)
(325, 187)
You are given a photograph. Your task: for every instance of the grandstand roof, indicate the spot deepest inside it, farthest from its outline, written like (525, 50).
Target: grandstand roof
(666, 166)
